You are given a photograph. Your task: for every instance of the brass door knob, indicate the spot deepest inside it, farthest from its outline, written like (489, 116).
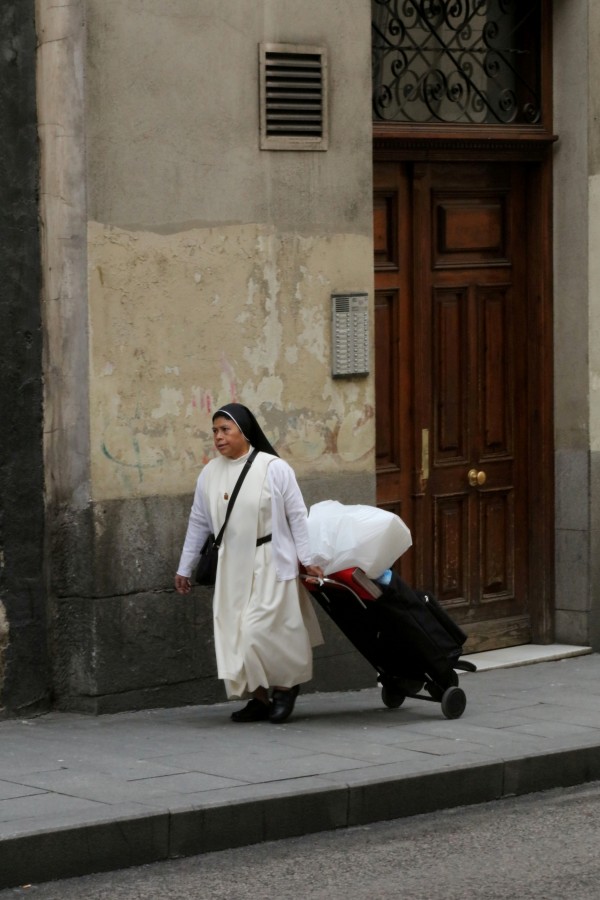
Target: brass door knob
(476, 479)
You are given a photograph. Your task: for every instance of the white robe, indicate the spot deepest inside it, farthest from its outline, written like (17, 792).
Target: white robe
(263, 618)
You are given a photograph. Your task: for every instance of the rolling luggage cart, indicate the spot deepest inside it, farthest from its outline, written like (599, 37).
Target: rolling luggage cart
(405, 634)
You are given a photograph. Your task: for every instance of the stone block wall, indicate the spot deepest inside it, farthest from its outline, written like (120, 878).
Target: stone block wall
(24, 673)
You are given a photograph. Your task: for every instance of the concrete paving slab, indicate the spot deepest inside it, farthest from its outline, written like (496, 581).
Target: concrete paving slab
(45, 804)
(11, 790)
(368, 751)
(81, 794)
(138, 769)
(556, 730)
(230, 756)
(259, 771)
(90, 785)
(567, 714)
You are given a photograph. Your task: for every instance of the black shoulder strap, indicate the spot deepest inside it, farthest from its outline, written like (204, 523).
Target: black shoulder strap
(234, 494)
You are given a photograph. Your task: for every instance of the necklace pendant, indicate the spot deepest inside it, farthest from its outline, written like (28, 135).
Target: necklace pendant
(225, 496)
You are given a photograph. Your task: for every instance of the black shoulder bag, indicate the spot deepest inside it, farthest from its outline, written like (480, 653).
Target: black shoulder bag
(206, 573)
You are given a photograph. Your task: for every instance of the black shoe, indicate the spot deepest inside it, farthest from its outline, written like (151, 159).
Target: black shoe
(253, 711)
(282, 704)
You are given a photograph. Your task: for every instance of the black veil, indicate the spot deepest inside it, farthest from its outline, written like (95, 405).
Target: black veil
(246, 422)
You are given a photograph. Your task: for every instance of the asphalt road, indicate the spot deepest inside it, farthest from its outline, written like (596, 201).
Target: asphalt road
(543, 846)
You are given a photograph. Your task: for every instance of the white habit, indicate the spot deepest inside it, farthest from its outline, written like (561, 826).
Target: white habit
(264, 621)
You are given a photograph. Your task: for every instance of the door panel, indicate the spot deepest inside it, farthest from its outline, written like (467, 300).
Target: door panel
(450, 375)
(387, 381)
(393, 349)
(457, 289)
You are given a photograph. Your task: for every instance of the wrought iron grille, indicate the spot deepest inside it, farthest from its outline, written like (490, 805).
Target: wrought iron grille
(456, 61)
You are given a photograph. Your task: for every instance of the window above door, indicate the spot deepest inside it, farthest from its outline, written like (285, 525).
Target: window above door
(459, 62)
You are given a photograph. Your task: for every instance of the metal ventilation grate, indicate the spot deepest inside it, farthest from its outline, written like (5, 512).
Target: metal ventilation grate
(293, 97)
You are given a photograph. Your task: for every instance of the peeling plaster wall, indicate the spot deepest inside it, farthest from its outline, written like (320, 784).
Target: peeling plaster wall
(221, 289)
(238, 312)
(208, 267)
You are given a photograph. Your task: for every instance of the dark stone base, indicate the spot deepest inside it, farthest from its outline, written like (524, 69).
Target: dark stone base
(26, 687)
(24, 670)
(123, 639)
(140, 650)
(116, 547)
(150, 650)
(188, 694)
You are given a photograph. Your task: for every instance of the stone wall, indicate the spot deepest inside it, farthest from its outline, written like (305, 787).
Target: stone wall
(593, 131)
(199, 270)
(577, 321)
(24, 676)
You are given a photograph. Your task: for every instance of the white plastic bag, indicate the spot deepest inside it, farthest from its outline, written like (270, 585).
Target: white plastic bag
(364, 536)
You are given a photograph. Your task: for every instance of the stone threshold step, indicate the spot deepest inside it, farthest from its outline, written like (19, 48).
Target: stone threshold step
(524, 655)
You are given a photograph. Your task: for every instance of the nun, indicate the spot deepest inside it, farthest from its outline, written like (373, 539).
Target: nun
(264, 623)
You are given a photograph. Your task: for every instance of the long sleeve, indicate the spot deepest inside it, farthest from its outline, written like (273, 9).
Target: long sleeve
(289, 515)
(199, 527)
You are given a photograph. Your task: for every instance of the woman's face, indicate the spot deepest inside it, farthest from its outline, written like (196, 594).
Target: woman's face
(228, 438)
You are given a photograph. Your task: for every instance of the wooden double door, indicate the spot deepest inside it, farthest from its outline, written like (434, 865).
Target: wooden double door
(454, 397)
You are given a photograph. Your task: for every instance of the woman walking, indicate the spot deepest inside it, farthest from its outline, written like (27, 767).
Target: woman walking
(265, 626)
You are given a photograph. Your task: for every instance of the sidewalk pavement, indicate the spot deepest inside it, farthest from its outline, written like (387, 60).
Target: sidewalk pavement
(81, 794)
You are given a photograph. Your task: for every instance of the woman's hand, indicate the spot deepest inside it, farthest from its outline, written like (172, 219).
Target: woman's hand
(183, 585)
(315, 572)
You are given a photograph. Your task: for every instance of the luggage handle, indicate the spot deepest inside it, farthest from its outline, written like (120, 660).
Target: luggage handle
(312, 579)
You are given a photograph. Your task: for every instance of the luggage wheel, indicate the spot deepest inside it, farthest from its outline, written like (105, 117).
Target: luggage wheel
(454, 701)
(466, 665)
(436, 690)
(392, 698)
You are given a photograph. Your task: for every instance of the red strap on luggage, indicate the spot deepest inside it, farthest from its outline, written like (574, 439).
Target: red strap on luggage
(346, 578)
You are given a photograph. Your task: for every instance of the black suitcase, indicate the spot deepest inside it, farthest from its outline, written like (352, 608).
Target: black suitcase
(406, 635)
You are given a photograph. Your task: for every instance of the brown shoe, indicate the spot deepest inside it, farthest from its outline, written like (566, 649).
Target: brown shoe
(253, 711)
